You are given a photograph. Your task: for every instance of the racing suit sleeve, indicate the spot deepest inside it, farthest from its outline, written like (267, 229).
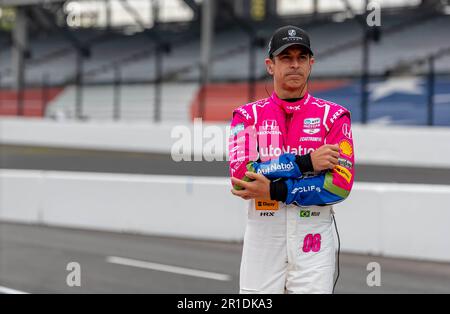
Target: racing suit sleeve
(329, 187)
(287, 165)
(242, 144)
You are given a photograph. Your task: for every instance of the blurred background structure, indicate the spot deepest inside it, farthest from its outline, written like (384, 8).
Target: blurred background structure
(92, 91)
(174, 60)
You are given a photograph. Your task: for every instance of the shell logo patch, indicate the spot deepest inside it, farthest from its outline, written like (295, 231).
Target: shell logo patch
(346, 148)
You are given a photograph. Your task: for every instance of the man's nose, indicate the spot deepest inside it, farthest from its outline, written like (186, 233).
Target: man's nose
(295, 64)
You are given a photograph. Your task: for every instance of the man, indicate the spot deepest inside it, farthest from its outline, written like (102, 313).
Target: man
(292, 155)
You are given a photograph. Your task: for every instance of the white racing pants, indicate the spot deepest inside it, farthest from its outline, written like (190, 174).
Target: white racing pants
(289, 250)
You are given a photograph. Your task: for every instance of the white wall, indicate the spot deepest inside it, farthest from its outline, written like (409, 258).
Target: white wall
(376, 144)
(191, 207)
(398, 220)
(391, 219)
(90, 135)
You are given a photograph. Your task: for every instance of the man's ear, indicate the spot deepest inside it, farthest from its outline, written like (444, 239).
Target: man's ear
(269, 66)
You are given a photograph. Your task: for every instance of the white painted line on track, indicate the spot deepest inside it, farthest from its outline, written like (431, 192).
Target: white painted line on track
(167, 268)
(5, 290)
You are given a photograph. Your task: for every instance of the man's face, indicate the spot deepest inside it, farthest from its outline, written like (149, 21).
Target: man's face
(291, 68)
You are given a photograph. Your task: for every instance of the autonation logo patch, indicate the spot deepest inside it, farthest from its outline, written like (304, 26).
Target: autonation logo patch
(276, 167)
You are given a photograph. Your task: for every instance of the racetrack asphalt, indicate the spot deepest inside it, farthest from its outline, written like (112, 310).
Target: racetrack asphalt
(63, 159)
(34, 259)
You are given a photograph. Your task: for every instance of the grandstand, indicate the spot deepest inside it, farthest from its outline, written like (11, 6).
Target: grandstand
(101, 69)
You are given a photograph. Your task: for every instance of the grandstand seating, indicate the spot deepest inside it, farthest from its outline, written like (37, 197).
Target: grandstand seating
(337, 47)
(134, 53)
(136, 102)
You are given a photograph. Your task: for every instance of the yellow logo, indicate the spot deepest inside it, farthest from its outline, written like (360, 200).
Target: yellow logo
(266, 205)
(346, 148)
(343, 172)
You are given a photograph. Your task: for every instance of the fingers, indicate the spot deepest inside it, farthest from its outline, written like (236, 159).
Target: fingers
(333, 154)
(241, 183)
(332, 163)
(328, 149)
(255, 176)
(334, 147)
(242, 194)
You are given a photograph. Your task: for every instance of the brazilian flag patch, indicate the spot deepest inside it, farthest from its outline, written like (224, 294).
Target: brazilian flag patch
(305, 214)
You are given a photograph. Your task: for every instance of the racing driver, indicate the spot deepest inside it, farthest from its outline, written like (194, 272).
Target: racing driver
(292, 156)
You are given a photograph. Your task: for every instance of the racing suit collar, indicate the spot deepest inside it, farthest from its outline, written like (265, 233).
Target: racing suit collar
(290, 107)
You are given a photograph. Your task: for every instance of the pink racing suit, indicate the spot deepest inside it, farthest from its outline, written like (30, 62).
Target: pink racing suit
(289, 245)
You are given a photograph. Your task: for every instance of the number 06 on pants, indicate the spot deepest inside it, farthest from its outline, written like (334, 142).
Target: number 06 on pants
(312, 242)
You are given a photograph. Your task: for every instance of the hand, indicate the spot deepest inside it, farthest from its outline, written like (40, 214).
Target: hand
(325, 157)
(259, 188)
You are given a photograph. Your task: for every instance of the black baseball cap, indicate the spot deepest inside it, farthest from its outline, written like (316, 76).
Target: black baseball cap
(287, 36)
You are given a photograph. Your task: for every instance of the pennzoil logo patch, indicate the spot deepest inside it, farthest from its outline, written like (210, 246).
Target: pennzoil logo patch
(344, 172)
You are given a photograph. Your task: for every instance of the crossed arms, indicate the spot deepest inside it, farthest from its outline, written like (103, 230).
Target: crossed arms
(322, 177)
